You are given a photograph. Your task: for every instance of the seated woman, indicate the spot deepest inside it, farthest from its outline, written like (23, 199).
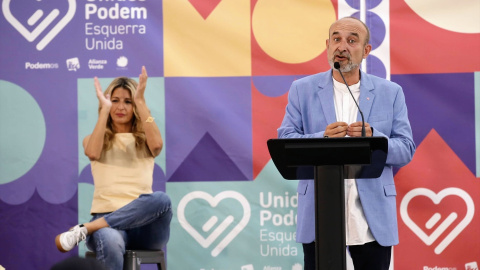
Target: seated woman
(127, 214)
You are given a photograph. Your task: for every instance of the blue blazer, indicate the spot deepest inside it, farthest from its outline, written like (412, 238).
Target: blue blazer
(311, 108)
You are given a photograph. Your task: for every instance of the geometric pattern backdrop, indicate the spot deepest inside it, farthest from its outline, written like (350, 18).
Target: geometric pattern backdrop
(219, 72)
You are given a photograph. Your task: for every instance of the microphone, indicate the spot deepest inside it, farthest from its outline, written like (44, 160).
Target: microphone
(336, 65)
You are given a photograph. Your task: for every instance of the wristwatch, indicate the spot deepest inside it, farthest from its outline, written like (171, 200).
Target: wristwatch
(149, 119)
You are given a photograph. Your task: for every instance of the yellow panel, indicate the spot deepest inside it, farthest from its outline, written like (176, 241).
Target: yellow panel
(292, 31)
(460, 16)
(212, 47)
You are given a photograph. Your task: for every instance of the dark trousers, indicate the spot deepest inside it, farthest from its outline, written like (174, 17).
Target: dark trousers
(370, 256)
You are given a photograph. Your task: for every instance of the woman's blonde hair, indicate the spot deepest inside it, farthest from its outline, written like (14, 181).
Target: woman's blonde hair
(137, 127)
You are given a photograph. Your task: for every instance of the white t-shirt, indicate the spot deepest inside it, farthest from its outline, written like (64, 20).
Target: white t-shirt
(357, 231)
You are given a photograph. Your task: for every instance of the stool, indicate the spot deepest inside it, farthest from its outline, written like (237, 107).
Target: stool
(133, 258)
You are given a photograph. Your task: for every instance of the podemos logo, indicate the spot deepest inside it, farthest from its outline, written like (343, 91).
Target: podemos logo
(213, 220)
(40, 23)
(437, 217)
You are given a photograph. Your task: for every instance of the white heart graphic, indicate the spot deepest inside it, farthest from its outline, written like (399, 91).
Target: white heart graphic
(31, 36)
(213, 201)
(436, 198)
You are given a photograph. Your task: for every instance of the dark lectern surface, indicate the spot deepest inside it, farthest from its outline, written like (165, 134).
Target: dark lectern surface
(363, 157)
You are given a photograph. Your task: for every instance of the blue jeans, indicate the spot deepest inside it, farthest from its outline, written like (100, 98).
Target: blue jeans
(142, 224)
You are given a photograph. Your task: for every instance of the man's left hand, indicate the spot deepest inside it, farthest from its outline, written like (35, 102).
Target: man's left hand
(355, 129)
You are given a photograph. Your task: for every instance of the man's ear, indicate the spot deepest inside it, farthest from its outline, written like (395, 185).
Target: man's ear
(367, 50)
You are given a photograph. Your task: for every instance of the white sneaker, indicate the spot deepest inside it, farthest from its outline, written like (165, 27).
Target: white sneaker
(68, 240)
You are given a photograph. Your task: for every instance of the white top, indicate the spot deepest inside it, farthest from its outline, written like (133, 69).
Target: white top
(121, 174)
(357, 231)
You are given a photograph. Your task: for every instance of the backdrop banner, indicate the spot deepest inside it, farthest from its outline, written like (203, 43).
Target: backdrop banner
(219, 74)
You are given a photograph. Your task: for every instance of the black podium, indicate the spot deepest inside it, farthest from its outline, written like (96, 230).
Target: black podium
(329, 161)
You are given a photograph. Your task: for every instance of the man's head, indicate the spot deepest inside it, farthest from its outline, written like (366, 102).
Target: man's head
(347, 44)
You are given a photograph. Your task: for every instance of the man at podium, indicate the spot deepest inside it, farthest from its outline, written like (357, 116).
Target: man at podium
(325, 105)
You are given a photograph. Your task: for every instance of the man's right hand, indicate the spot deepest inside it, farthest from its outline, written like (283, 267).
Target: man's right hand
(337, 129)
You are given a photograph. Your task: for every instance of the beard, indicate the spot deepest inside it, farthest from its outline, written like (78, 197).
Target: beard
(347, 68)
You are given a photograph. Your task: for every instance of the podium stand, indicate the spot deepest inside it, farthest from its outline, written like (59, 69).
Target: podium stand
(329, 161)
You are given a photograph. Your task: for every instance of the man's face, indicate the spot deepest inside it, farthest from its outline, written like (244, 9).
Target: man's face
(346, 44)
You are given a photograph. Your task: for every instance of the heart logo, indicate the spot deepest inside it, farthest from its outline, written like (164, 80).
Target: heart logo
(213, 201)
(436, 198)
(42, 25)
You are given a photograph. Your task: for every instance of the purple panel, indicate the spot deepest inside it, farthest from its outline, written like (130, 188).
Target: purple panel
(86, 175)
(207, 162)
(376, 26)
(55, 88)
(274, 86)
(218, 106)
(159, 179)
(141, 39)
(28, 232)
(375, 66)
(369, 4)
(55, 174)
(43, 202)
(444, 102)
